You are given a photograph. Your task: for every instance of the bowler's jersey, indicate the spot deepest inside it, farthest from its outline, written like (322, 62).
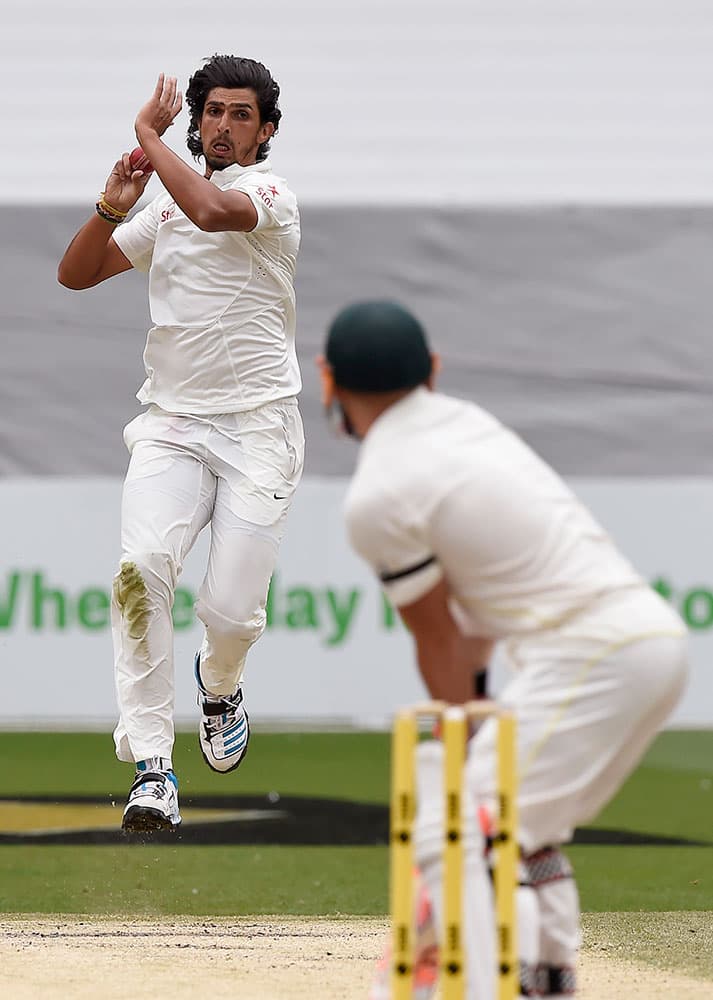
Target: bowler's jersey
(222, 304)
(442, 489)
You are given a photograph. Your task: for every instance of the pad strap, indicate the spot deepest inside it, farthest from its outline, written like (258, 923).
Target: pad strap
(556, 981)
(529, 981)
(547, 865)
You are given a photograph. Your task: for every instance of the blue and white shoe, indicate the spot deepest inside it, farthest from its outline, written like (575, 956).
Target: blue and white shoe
(153, 799)
(224, 729)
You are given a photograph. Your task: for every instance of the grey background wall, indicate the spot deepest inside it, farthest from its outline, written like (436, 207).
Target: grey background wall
(587, 329)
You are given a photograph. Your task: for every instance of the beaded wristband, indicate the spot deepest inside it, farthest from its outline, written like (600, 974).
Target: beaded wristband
(110, 208)
(103, 214)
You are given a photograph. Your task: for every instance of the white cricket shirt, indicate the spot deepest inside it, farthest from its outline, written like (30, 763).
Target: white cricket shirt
(222, 304)
(443, 489)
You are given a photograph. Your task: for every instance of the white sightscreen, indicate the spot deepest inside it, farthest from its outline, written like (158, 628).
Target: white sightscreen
(385, 101)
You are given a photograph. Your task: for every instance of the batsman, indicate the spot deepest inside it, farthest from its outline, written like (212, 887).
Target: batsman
(478, 542)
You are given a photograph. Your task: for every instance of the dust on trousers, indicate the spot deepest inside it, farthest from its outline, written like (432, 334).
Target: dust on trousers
(236, 472)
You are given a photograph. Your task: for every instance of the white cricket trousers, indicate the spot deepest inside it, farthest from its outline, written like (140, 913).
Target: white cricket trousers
(236, 472)
(589, 697)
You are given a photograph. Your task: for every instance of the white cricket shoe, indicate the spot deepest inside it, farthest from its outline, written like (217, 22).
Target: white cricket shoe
(153, 801)
(224, 729)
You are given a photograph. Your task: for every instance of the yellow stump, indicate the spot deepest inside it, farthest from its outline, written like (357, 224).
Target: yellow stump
(403, 809)
(507, 852)
(452, 957)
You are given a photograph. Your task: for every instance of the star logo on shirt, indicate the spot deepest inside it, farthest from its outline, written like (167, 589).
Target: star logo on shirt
(273, 191)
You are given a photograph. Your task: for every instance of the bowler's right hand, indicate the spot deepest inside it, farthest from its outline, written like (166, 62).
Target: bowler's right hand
(125, 185)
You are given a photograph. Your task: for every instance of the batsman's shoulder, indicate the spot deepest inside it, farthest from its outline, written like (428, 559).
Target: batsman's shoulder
(363, 499)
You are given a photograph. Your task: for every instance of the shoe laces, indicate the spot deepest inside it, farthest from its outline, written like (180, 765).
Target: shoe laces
(222, 713)
(156, 783)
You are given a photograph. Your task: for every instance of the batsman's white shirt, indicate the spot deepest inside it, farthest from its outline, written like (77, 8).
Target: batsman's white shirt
(443, 488)
(222, 304)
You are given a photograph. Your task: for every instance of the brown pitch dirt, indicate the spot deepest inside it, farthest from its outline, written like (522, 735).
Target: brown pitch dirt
(270, 958)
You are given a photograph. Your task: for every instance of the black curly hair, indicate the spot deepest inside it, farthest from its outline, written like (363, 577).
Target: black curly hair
(232, 72)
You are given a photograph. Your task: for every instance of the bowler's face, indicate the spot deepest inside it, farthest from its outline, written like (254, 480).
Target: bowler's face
(230, 128)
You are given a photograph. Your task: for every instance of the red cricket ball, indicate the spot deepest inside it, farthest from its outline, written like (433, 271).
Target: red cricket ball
(140, 161)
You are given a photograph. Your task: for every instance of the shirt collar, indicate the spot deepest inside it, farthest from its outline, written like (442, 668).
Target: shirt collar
(398, 414)
(224, 178)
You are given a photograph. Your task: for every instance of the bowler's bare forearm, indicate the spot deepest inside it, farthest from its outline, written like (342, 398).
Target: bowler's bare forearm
(92, 256)
(206, 205)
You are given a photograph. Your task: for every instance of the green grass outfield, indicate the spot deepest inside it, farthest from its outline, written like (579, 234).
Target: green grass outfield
(671, 794)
